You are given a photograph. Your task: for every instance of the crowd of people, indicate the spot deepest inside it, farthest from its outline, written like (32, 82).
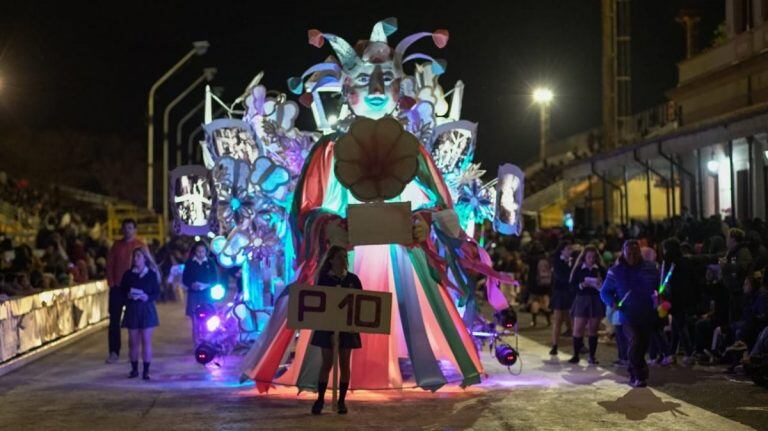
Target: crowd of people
(679, 287)
(52, 244)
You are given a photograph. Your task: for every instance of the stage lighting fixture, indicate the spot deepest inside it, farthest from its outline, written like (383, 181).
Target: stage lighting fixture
(205, 352)
(213, 323)
(506, 355)
(218, 292)
(507, 318)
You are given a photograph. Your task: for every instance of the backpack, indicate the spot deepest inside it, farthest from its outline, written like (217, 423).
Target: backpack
(544, 273)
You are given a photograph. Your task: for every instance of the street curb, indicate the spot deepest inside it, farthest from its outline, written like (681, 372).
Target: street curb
(49, 348)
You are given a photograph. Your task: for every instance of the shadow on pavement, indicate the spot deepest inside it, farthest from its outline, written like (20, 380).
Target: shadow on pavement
(639, 403)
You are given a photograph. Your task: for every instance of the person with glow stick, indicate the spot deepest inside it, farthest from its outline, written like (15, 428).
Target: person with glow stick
(679, 288)
(631, 284)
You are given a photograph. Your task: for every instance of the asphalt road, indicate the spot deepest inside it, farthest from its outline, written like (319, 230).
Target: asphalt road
(73, 389)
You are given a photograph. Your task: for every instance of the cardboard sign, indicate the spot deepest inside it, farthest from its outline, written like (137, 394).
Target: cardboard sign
(340, 309)
(380, 223)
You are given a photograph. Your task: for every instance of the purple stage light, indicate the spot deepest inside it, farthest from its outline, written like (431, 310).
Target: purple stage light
(213, 323)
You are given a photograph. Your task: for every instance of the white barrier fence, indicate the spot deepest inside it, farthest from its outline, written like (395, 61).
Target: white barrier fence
(31, 321)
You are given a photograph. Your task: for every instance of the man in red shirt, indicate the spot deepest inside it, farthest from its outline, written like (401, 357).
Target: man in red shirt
(118, 262)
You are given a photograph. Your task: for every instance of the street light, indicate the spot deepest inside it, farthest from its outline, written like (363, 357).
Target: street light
(207, 75)
(218, 91)
(713, 166)
(198, 48)
(543, 97)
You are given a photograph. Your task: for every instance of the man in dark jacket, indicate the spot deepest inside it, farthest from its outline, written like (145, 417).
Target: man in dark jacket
(736, 264)
(630, 287)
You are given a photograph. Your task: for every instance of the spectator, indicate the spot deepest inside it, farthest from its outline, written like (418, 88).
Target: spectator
(735, 265)
(586, 280)
(683, 297)
(118, 262)
(629, 286)
(141, 284)
(562, 296)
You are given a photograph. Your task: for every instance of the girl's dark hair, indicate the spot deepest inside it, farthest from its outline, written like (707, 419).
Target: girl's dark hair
(628, 243)
(587, 249)
(560, 246)
(330, 254)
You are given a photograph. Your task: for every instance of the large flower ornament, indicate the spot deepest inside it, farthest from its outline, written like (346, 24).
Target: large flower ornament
(249, 197)
(376, 159)
(477, 200)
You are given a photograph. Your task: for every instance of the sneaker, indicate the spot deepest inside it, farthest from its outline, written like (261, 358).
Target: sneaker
(574, 359)
(341, 408)
(317, 407)
(112, 358)
(145, 376)
(668, 360)
(133, 374)
(592, 360)
(638, 383)
(688, 361)
(553, 351)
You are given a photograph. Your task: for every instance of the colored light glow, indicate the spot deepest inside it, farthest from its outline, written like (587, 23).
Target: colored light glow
(213, 323)
(235, 204)
(332, 119)
(543, 95)
(218, 292)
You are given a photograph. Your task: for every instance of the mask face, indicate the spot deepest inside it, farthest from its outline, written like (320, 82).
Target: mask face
(373, 89)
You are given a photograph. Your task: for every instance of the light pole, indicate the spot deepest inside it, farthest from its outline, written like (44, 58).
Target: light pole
(179, 127)
(207, 75)
(543, 97)
(198, 48)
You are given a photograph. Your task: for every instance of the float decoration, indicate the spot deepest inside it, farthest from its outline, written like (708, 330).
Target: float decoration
(382, 134)
(376, 159)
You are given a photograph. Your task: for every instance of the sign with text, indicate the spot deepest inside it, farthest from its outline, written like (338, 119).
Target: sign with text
(380, 223)
(340, 309)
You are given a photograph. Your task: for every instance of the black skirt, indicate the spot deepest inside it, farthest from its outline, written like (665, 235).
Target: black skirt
(588, 306)
(347, 340)
(140, 315)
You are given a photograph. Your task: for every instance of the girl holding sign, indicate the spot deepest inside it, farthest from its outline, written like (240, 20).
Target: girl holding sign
(142, 285)
(333, 272)
(587, 310)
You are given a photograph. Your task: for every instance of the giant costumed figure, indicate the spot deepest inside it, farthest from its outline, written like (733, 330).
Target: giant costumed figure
(280, 200)
(378, 158)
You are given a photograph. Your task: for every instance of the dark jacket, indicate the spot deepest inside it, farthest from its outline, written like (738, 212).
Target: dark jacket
(631, 288)
(738, 264)
(561, 273)
(581, 273)
(681, 289)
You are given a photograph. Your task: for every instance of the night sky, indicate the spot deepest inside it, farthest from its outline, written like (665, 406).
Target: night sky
(88, 68)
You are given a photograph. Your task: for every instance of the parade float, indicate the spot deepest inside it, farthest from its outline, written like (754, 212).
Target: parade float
(388, 141)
